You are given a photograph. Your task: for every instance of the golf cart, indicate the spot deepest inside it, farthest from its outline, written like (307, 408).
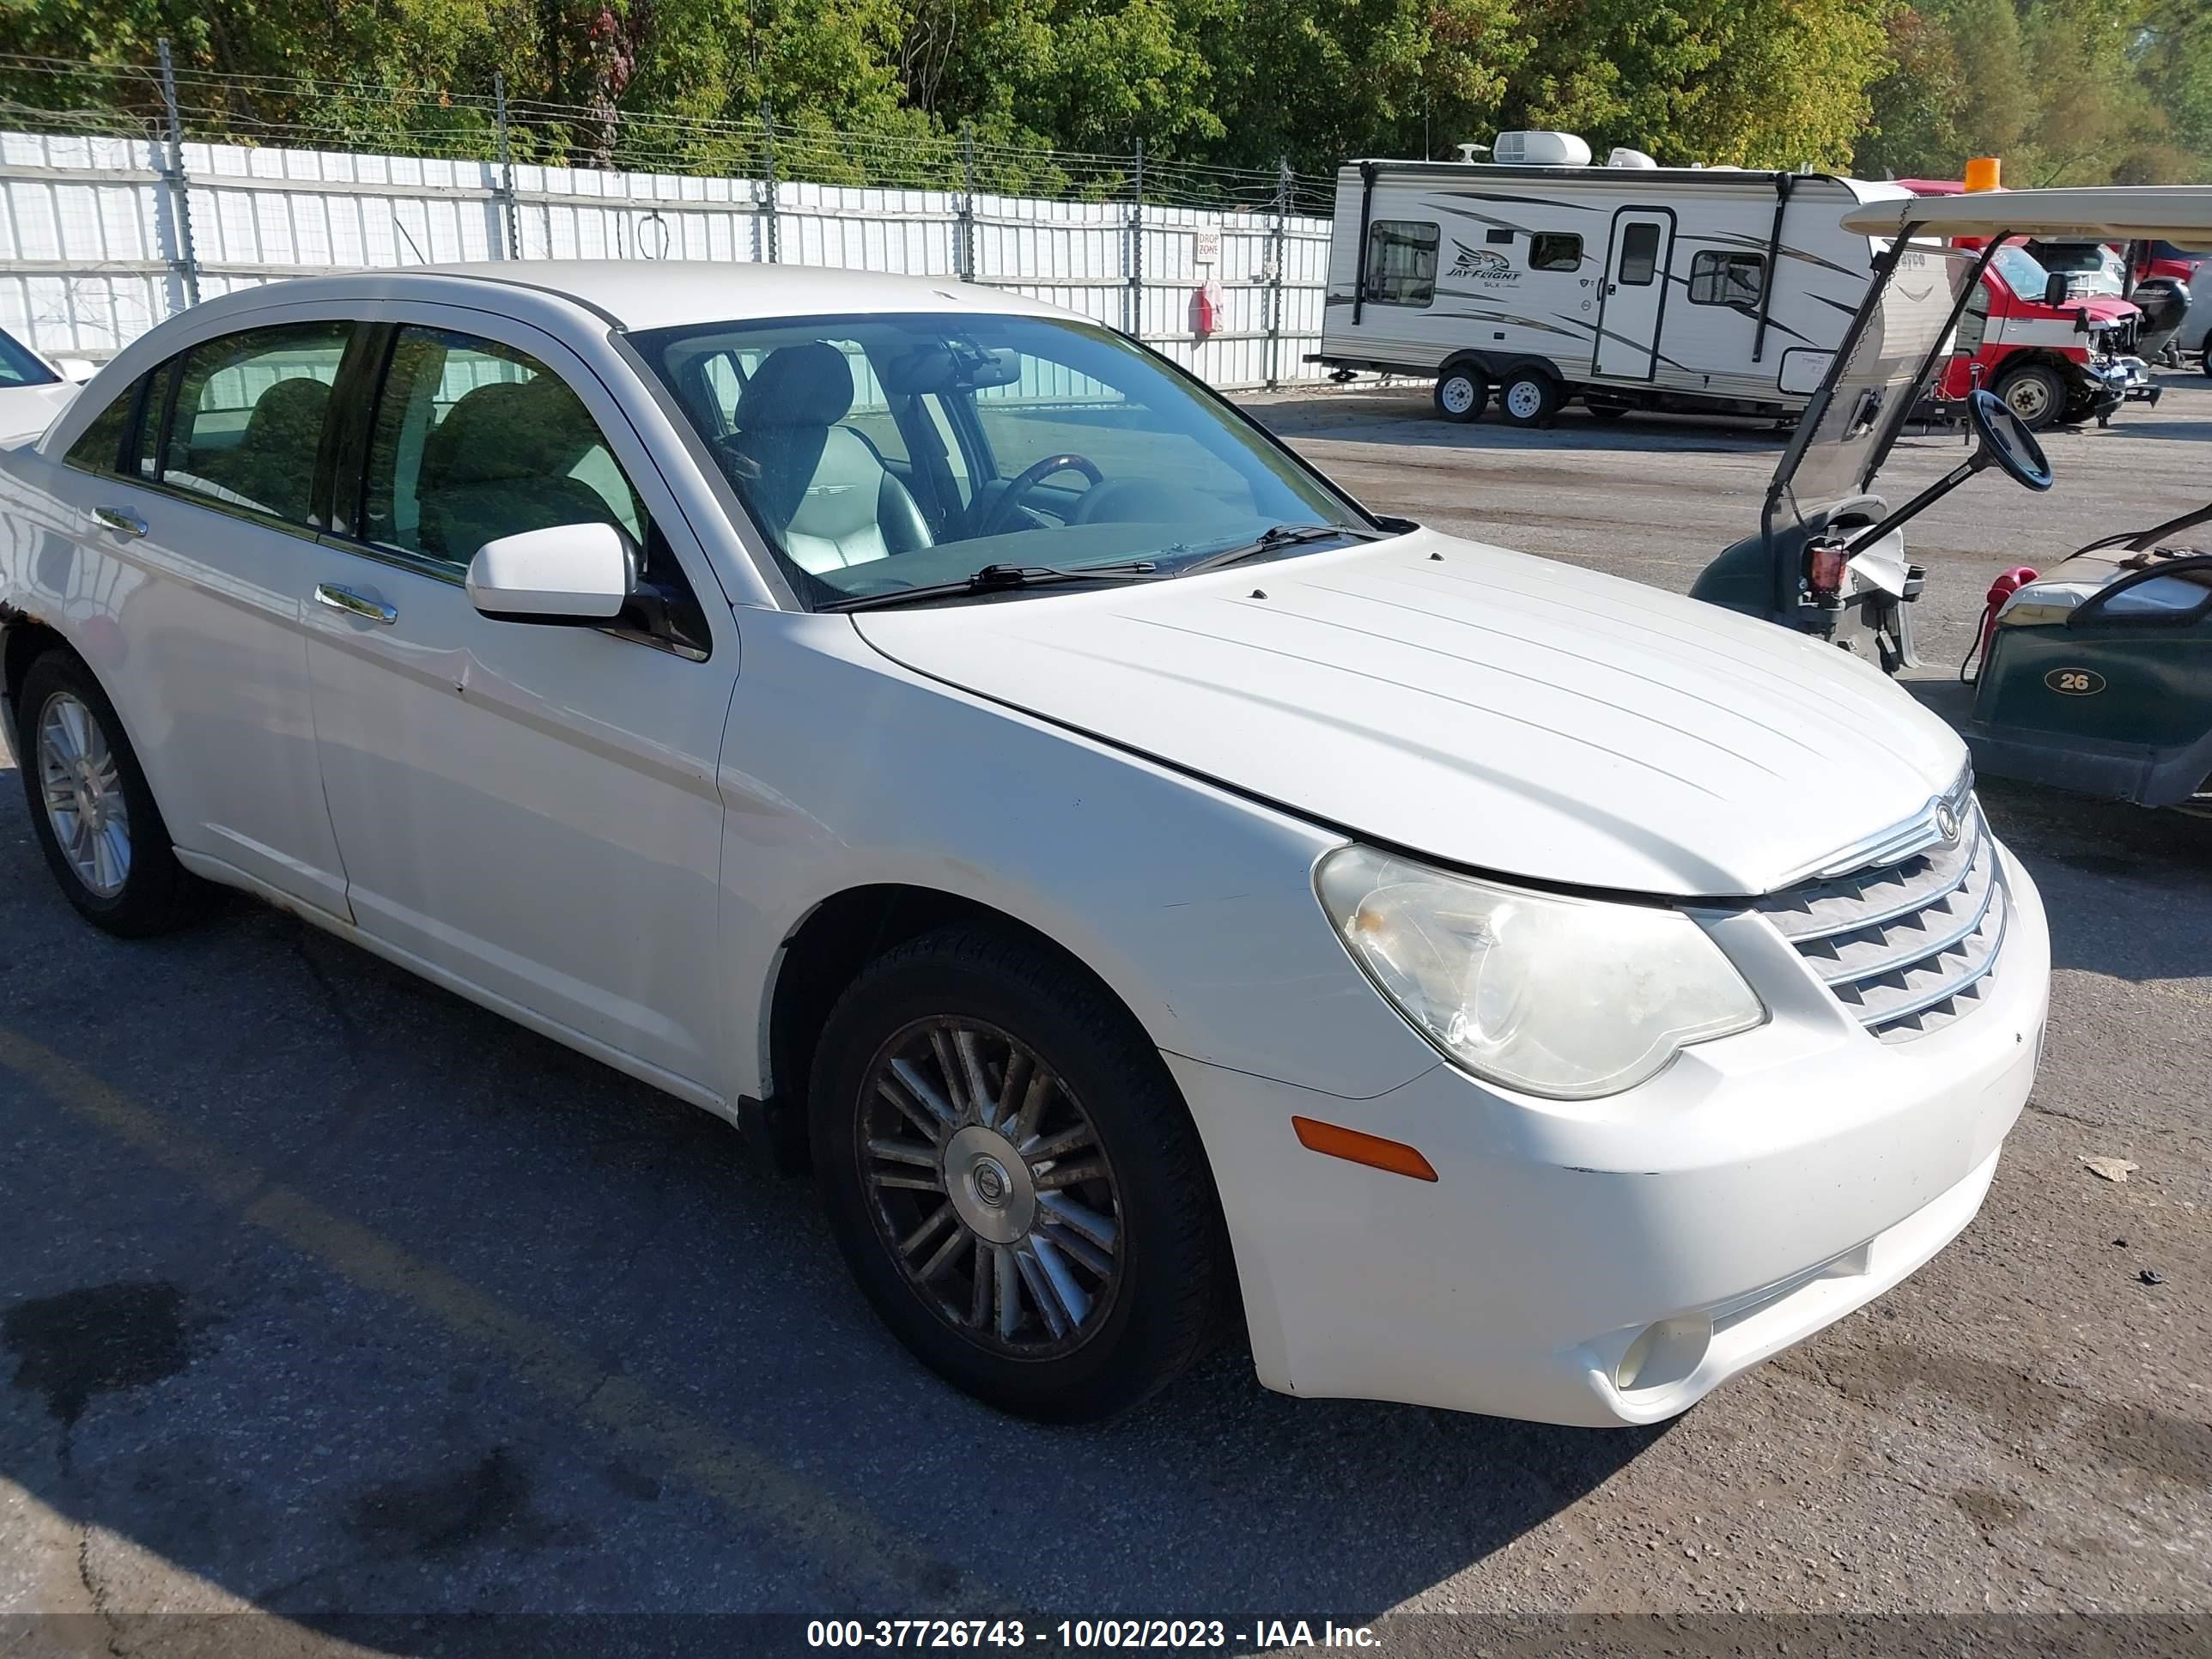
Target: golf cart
(2098, 676)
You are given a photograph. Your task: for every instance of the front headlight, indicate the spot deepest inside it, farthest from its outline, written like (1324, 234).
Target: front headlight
(1569, 998)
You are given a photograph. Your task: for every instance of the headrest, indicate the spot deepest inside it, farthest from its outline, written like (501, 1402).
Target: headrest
(294, 406)
(802, 385)
(509, 429)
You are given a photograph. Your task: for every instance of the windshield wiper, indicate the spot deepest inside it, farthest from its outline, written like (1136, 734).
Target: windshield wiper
(1001, 578)
(1268, 541)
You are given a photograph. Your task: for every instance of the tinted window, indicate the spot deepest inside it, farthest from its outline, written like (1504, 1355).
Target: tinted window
(100, 444)
(1401, 263)
(1554, 251)
(249, 415)
(20, 366)
(1639, 255)
(474, 440)
(146, 450)
(1727, 279)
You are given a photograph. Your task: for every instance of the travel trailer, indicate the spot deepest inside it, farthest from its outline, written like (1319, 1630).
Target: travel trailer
(1627, 285)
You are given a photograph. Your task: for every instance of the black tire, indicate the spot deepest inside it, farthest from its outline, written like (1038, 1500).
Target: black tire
(1601, 411)
(1529, 397)
(1171, 1279)
(2034, 391)
(157, 894)
(1461, 393)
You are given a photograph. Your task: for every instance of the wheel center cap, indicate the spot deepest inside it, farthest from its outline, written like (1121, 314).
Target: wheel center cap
(989, 1185)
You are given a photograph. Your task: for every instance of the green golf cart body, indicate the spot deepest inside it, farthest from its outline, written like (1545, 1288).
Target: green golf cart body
(2097, 676)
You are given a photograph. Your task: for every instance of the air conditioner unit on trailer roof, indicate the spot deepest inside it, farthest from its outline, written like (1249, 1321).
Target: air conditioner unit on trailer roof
(1540, 149)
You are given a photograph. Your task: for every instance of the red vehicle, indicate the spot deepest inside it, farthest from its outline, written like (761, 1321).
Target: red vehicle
(2050, 357)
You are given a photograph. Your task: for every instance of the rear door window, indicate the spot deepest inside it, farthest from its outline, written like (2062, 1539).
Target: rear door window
(249, 417)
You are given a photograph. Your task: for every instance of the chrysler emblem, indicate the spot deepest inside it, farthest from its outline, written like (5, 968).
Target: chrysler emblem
(1946, 822)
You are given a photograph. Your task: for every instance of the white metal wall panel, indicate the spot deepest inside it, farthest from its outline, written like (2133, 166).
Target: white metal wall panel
(90, 256)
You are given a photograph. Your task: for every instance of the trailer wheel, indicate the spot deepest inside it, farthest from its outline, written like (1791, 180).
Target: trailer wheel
(1461, 391)
(2035, 392)
(1528, 398)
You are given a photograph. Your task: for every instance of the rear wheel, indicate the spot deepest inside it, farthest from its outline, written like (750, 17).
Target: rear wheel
(1529, 397)
(90, 806)
(1013, 1176)
(2034, 391)
(1461, 391)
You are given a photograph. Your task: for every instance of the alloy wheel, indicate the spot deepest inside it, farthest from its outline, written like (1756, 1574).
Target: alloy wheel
(82, 786)
(990, 1189)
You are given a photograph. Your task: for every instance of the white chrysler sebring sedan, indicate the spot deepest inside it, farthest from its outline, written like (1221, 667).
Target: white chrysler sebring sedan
(938, 734)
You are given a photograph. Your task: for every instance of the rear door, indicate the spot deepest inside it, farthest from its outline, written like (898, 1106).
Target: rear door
(529, 810)
(1634, 306)
(200, 504)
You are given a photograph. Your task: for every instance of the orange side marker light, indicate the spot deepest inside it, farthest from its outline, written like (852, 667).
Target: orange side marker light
(1334, 1140)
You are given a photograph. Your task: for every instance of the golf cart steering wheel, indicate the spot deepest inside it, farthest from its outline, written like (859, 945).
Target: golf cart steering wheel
(1002, 515)
(2006, 440)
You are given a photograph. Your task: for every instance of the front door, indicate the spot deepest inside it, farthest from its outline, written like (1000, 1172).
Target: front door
(1635, 300)
(532, 809)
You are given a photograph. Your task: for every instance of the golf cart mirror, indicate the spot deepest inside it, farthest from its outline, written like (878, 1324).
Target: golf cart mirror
(2054, 288)
(2004, 442)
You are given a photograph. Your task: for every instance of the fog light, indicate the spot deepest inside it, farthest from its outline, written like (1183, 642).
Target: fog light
(1632, 1363)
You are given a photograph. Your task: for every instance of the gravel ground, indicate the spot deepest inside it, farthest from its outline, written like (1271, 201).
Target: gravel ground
(325, 1294)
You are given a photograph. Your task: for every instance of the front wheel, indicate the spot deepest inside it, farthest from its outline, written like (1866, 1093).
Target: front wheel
(1013, 1177)
(91, 809)
(2034, 391)
(1460, 393)
(1528, 398)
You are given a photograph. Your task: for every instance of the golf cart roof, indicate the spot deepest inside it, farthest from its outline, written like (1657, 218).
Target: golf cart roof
(2167, 212)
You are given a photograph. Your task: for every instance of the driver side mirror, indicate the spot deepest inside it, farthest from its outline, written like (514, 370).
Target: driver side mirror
(2054, 289)
(581, 574)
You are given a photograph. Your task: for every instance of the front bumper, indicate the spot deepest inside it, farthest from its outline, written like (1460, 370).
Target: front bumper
(1758, 1189)
(2127, 379)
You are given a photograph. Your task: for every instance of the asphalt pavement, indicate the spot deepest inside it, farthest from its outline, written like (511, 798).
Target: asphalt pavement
(324, 1294)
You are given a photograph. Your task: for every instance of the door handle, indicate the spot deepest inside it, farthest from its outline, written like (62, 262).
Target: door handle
(345, 600)
(124, 524)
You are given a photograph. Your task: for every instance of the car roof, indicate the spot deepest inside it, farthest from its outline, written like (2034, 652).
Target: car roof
(642, 293)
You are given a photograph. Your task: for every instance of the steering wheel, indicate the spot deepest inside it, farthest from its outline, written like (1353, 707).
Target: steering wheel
(2006, 440)
(1002, 515)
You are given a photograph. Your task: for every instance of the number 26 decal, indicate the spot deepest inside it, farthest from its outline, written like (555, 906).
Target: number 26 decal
(2075, 682)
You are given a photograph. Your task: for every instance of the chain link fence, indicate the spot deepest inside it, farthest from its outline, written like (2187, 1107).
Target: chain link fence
(132, 190)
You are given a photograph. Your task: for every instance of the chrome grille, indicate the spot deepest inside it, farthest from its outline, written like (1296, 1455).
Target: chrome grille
(1910, 944)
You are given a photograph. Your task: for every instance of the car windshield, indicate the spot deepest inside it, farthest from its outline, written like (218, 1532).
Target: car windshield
(1868, 395)
(19, 367)
(881, 454)
(2023, 273)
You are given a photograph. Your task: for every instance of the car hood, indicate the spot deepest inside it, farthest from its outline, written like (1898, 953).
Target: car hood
(1485, 708)
(26, 412)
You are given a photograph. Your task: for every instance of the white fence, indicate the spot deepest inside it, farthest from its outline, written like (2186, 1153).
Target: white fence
(100, 241)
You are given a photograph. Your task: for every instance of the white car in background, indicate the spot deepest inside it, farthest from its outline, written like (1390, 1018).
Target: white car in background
(32, 389)
(935, 732)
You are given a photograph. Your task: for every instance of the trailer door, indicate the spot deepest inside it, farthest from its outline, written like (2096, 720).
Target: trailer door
(1635, 300)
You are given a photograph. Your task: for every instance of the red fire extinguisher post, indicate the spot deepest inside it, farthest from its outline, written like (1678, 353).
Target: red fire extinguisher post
(1206, 308)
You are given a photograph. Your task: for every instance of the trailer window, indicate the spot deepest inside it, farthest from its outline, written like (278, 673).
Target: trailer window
(1554, 250)
(1727, 279)
(1401, 263)
(1639, 255)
